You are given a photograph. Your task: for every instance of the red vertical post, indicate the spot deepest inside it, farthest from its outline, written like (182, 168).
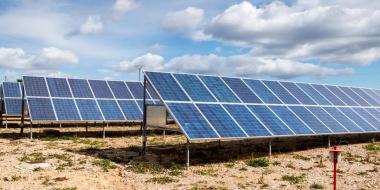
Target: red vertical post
(335, 161)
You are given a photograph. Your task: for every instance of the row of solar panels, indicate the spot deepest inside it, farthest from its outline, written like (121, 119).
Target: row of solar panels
(201, 88)
(62, 99)
(212, 107)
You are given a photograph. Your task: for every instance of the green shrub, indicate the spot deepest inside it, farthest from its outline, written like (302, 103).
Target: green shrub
(294, 179)
(258, 162)
(105, 164)
(373, 147)
(161, 180)
(316, 186)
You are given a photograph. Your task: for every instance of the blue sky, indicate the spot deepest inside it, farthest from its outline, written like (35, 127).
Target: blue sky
(335, 42)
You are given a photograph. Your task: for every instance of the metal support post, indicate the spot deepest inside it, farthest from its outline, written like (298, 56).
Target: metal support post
(31, 130)
(22, 112)
(164, 134)
(86, 127)
(60, 125)
(104, 131)
(144, 127)
(270, 148)
(188, 154)
(329, 142)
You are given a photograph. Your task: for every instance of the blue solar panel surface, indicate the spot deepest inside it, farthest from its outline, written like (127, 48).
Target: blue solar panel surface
(247, 108)
(242, 90)
(11, 89)
(219, 89)
(12, 106)
(84, 100)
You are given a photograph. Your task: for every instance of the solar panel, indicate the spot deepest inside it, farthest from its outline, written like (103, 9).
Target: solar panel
(83, 100)
(214, 107)
(12, 98)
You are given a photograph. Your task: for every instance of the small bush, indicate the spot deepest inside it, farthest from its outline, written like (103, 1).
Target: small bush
(258, 162)
(294, 179)
(209, 172)
(175, 170)
(33, 158)
(243, 169)
(276, 163)
(373, 147)
(161, 180)
(316, 186)
(300, 157)
(143, 167)
(105, 164)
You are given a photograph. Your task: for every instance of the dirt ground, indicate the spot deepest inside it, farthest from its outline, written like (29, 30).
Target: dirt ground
(70, 158)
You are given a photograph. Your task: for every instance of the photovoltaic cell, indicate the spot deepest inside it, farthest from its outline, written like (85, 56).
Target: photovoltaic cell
(329, 121)
(317, 97)
(35, 86)
(100, 89)
(66, 109)
(194, 88)
(167, 86)
(222, 122)
(262, 91)
(219, 89)
(343, 119)
(298, 93)
(357, 119)
(241, 90)
(80, 88)
(270, 120)
(120, 90)
(130, 109)
(89, 110)
(13, 106)
(41, 109)
(329, 95)
(110, 110)
(193, 123)
(373, 112)
(58, 87)
(152, 93)
(137, 90)
(367, 116)
(247, 120)
(11, 89)
(346, 99)
(281, 92)
(291, 120)
(307, 117)
(354, 96)
(372, 94)
(365, 96)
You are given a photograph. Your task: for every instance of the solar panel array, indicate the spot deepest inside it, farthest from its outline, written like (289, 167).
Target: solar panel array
(213, 107)
(68, 99)
(12, 98)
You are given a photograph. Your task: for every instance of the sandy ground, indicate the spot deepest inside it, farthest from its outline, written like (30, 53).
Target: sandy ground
(78, 160)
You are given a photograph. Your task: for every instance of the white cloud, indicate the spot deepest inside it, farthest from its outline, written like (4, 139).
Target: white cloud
(183, 20)
(92, 25)
(122, 6)
(331, 31)
(245, 65)
(49, 58)
(147, 61)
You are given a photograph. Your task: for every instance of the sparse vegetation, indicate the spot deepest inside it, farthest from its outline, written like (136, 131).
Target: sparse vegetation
(316, 186)
(373, 147)
(276, 163)
(175, 170)
(13, 178)
(161, 180)
(294, 179)
(143, 167)
(229, 165)
(33, 158)
(105, 164)
(209, 172)
(65, 188)
(300, 157)
(258, 162)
